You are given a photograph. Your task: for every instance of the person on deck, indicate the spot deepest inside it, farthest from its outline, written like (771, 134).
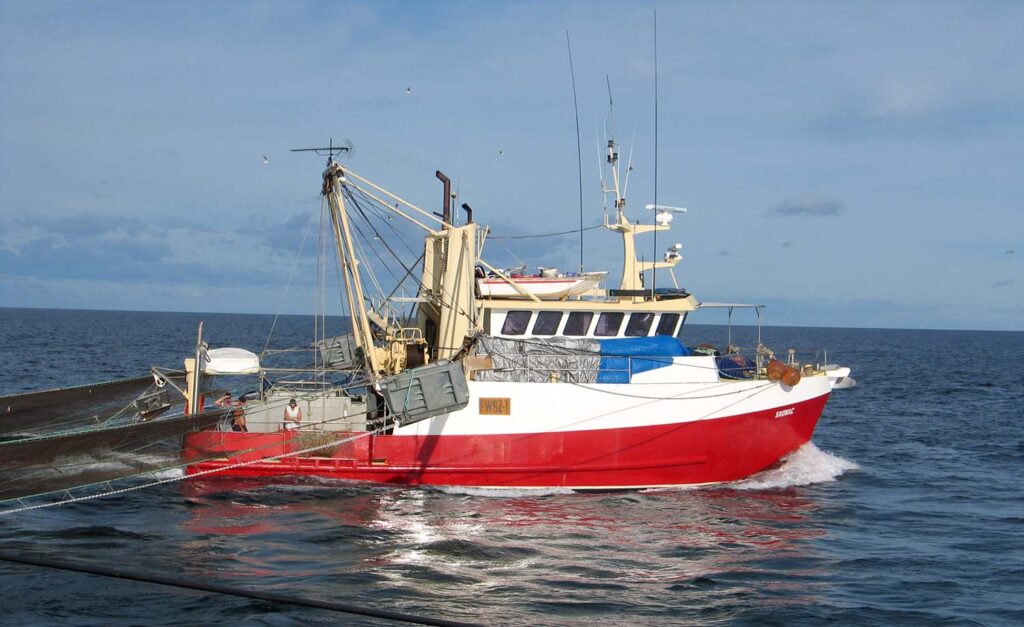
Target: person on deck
(237, 413)
(238, 416)
(292, 416)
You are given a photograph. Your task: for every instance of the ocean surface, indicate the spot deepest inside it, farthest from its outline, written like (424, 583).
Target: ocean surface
(907, 509)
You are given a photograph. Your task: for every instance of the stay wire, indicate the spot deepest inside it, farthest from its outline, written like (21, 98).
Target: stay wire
(570, 232)
(579, 147)
(176, 582)
(654, 253)
(291, 275)
(376, 233)
(379, 211)
(442, 300)
(362, 212)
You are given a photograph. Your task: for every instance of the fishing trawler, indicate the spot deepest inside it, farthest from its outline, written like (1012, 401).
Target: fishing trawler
(587, 389)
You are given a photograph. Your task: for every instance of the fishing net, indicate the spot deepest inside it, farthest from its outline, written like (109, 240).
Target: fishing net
(59, 439)
(39, 413)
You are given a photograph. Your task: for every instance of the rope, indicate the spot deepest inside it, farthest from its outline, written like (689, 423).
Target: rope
(284, 294)
(200, 473)
(174, 582)
(589, 228)
(678, 397)
(148, 473)
(512, 254)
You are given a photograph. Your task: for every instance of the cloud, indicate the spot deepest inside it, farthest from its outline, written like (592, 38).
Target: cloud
(808, 206)
(954, 122)
(1003, 283)
(84, 224)
(286, 235)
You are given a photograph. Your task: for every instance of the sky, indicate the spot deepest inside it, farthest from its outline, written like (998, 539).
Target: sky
(845, 164)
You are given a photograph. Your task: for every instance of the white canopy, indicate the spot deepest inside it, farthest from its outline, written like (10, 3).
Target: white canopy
(231, 361)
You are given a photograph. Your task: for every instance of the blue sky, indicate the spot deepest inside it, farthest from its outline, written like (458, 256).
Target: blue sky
(847, 164)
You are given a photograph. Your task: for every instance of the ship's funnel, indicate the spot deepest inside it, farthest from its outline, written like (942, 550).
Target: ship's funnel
(447, 182)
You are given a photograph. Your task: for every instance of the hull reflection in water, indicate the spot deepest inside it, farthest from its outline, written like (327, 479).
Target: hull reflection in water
(710, 543)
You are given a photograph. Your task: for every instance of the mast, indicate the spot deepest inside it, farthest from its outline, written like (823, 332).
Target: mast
(334, 178)
(631, 288)
(193, 368)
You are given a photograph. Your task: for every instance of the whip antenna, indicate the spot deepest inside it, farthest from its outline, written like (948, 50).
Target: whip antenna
(611, 106)
(654, 271)
(579, 149)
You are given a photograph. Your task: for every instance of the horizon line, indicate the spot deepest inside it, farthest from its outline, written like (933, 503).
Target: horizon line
(736, 324)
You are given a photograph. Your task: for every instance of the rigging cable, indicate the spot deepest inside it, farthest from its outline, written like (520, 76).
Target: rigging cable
(151, 473)
(176, 582)
(654, 254)
(441, 300)
(284, 294)
(580, 230)
(579, 148)
(408, 269)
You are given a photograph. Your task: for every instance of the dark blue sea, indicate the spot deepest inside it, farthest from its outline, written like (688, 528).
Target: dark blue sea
(907, 509)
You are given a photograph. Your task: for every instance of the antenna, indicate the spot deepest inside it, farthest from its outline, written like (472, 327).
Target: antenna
(331, 150)
(629, 164)
(611, 104)
(579, 148)
(654, 271)
(613, 155)
(663, 213)
(600, 172)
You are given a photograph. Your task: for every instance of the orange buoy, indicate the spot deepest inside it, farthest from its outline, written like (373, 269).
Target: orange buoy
(776, 370)
(791, 377)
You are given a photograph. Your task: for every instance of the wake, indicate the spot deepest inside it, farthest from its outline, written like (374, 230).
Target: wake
(805, 466)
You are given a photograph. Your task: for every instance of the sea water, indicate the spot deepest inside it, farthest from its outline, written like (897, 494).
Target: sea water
(905, 509)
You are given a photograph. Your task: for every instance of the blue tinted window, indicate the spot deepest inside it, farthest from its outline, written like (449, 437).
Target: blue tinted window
(578, 323)
(608, 324)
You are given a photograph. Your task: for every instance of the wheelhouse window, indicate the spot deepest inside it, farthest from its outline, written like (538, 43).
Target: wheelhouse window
(608, 324)
(639, 324)
(667, 324)
(578, 323)
(547, 323)
(516, 322)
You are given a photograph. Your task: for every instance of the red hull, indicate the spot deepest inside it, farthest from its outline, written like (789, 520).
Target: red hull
(706, 451)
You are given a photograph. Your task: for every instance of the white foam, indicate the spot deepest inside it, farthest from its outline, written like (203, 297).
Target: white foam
(169, 473)
(501, 493)
(805, 466)
(111, 462)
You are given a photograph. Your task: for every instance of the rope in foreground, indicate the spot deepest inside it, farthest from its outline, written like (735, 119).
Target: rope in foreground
(174, 582)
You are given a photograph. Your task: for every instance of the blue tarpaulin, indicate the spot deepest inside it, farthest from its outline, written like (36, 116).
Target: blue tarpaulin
(623, 357)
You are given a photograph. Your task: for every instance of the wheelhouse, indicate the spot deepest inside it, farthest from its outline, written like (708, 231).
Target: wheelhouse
(582, 322)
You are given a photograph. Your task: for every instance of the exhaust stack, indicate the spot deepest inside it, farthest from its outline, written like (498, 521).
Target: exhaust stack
(447, 182)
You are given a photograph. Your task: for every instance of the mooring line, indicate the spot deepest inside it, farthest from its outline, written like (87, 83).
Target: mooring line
(174, 582)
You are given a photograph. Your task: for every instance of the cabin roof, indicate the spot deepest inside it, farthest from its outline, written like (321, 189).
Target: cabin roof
(690, 303)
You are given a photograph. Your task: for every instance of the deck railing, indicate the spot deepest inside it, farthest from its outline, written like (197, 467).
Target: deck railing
(738, 364)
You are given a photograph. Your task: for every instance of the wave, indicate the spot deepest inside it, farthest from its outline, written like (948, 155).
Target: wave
(503, 493)
(805, 466)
